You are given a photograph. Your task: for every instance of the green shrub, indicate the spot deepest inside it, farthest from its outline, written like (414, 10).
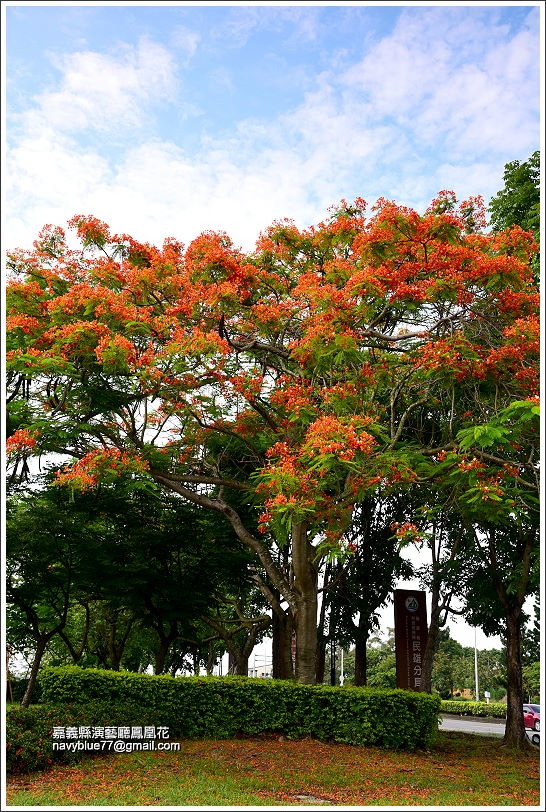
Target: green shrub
(28, 739)
(498, 694)
(29, 731)
(469, 708)
(221, 707)
(212, 707)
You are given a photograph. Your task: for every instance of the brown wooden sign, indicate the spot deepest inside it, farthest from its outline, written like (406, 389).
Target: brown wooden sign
(410, 637)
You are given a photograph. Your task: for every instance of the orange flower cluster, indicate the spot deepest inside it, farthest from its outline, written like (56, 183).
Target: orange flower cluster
(407, 531)
(116, 349)
(329, 435)
(90, 229)
(22, 440)
(322, 331)
(27, 324)
(471, 465)
(294, 398)
(102, 464)
(456, 356)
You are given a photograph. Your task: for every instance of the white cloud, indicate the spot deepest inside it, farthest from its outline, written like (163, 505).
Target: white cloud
(446, 77)
(47, 180)
(154, 192)
(220, 78)
(404, 122)
(106, 92)
(186, 43)
(158, 191)
(238, 26)
(242, 22)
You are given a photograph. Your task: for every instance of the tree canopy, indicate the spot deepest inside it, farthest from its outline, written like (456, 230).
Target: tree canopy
(518, 203)
(363, 355)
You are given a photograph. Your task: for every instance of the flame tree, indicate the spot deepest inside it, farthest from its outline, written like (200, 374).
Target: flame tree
(330, 363)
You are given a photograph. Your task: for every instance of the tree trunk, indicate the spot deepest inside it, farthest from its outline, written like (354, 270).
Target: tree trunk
(77, 654)
(282, 625)
(240, 660)
(437, 603)
(281, 647)
(322, 641)
(161, 653)
(321, 660)
(512, 602)
(305, 585)
(101, 654)
(240, 642)
(211, 659)
(427, 663)
(515, 735)
(166, 639)
(238, 657)
(301, 595)
(361, 662)
(116, 646)
(362, 633)
(41, 644)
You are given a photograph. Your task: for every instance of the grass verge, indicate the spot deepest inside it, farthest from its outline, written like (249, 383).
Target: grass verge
(458, 770)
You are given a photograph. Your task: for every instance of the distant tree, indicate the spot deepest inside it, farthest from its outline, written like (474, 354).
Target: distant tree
(110, 631)
(45, 563)
(518, 203)
(240, 623)
(447, 673)
(381, 660)
(530, 636)
(454, 670)
(503, 561)
(503, 572)
(531, 682)
(93, 577)
(163, 565)
(492, 672)
(71, 645)
(362, 584)
(492, 483)
(437, 532)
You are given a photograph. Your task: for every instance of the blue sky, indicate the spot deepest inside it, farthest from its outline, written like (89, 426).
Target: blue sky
(169, 119)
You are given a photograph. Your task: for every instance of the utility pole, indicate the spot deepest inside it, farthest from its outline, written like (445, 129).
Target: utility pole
(476, 665)
(332, 662)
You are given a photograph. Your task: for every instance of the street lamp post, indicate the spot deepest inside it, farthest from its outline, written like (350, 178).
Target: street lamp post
(476, 666)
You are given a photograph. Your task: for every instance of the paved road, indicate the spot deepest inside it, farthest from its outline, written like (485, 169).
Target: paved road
(479, 725)
(473, 724)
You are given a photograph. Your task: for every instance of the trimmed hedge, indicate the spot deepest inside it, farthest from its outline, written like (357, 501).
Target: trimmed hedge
(494, 709)
(222, 707)
(29, 731)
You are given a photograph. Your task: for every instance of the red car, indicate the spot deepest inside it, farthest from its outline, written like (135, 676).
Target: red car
(531, 716)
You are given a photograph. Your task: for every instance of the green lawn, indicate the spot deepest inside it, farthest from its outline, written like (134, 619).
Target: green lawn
(458, 770)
